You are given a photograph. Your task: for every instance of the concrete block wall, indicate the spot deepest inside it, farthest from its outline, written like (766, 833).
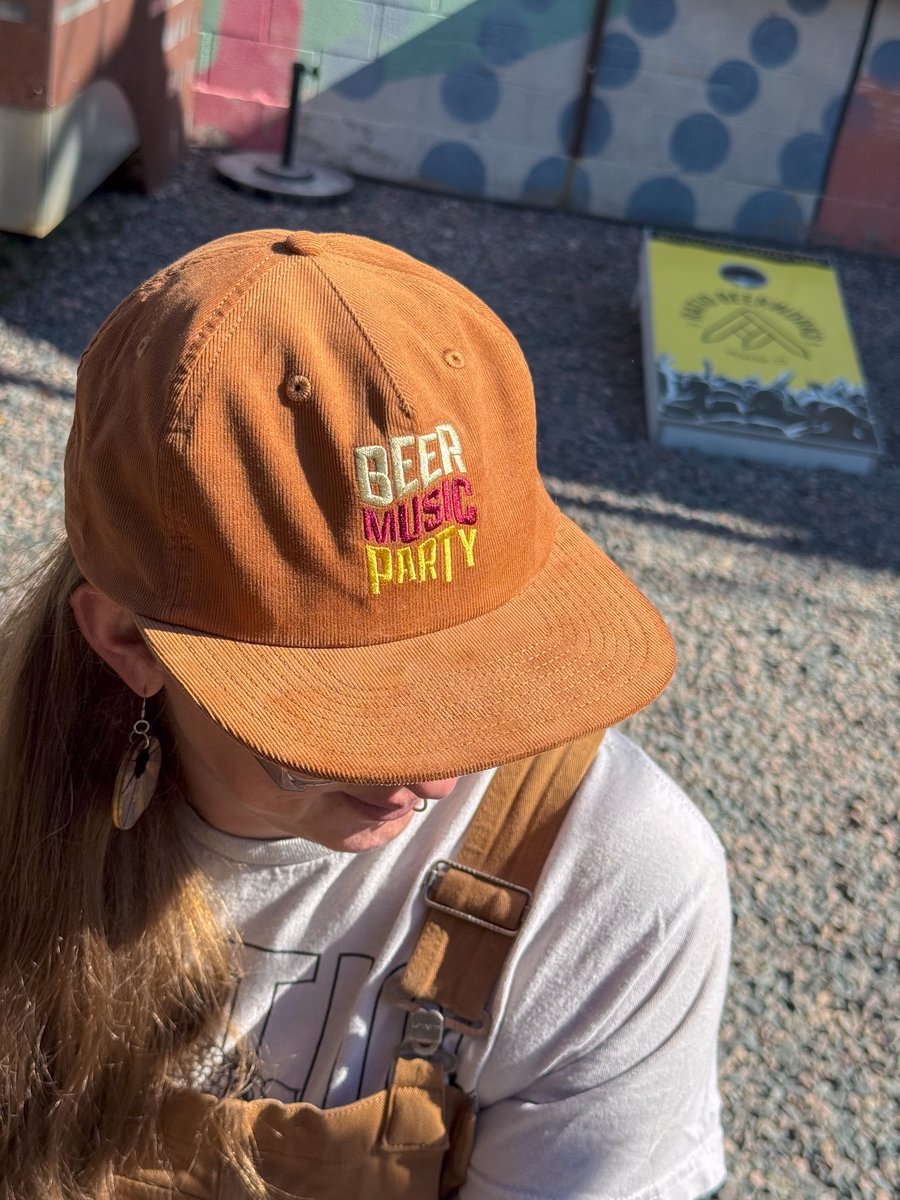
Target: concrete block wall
(468, 97)
(703, 116)
(721, 117)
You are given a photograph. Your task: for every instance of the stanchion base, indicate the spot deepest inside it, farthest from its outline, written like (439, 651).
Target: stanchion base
(261, 171)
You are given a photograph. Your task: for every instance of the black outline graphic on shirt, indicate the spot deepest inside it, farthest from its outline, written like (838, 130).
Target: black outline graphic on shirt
(381, 1010)
(343, 993)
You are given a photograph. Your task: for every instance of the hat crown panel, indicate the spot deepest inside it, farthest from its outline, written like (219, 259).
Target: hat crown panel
(395, 494)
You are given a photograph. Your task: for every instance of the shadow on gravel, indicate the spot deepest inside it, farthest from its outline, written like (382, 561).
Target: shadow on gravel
(40, 386)
(565, 284)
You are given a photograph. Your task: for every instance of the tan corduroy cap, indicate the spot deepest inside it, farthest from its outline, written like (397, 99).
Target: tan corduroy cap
(307, 462)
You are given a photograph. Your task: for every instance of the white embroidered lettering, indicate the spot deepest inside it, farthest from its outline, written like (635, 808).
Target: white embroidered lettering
(402, 485)
(372, 467)
(426, 458)
(451, 450)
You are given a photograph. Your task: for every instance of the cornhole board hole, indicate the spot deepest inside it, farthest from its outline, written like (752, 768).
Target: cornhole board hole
(750, 354)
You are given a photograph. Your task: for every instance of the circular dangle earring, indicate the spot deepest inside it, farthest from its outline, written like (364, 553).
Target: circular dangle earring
(422, 805)
(138, 773)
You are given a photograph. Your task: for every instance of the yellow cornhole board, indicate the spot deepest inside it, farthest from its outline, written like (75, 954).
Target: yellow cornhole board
(751, 355)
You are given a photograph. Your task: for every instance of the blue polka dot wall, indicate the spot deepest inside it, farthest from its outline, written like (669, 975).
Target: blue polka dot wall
(470, 93)
(454, 167)
(771, 214)
(504, 37)
(732, 86)
(717, 116)
(884, 63)
(652, 18)
(548, 179)
(802, 162)
(662, 201)
(704, 115)
(807, 7)
(618, 62)
(518, 119)
(774, 42)
(700, 143)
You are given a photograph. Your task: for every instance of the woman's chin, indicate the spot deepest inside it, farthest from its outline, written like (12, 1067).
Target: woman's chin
(366, 836)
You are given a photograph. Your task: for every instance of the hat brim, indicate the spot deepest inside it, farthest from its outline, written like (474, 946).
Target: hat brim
(579, 649)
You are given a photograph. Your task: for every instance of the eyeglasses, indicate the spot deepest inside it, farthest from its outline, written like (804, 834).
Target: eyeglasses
(287, 778)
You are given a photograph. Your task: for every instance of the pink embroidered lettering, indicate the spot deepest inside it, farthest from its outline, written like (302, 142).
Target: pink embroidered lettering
(432, 509)
(380, 533)
(406, 533)
(467, 516)
(407, 522)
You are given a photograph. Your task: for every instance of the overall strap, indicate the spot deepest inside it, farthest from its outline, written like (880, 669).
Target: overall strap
(478, 902)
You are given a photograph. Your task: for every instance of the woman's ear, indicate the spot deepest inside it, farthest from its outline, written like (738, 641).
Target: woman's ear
(111, 632)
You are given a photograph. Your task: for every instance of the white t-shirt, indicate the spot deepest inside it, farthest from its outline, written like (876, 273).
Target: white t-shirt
(598, 1080)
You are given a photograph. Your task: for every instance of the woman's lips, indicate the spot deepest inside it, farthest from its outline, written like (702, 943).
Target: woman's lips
(380, 812)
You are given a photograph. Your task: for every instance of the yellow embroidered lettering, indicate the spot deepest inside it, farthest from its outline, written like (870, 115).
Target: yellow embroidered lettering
(426, 458)
(451, 450)
(467, 537)
(427, 556)
(405, 565)
(399, 463)
(372, 468)
(443, 540)
(381, 567)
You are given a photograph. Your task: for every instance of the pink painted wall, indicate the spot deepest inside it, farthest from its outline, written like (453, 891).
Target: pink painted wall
(242, 85)
(861, 206)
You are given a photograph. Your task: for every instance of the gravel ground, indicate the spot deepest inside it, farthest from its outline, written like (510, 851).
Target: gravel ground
(779, 586)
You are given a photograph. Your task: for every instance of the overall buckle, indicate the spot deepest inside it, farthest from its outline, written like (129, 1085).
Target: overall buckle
(439, 871)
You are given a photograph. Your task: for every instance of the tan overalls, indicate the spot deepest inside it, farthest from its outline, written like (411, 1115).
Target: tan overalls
(413, 1140)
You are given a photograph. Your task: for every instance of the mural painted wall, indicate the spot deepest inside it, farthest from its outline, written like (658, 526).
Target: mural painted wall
(702, 115)
(244, 60)
(862, 204)
(720, 117)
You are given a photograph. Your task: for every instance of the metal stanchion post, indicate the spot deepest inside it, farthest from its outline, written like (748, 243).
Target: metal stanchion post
(285, 174)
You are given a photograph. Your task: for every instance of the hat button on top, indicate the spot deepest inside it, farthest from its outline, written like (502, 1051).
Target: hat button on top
(303, 242)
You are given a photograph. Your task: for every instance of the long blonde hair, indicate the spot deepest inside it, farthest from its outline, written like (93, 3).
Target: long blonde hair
(114, 969)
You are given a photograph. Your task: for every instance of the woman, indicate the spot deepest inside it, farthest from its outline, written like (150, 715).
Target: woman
(312, 583)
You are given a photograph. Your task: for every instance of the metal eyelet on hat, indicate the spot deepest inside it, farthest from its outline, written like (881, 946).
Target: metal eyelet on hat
(142, 346)
(298, 387)
(454, 359)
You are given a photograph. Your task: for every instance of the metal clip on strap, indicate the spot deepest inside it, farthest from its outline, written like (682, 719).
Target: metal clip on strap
(439, 871)
(424, 1034)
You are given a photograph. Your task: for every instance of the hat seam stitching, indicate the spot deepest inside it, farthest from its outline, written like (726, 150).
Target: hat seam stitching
(401, 400)
(183, 376)
(473, 302)
(228, 302)
(201, 379)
